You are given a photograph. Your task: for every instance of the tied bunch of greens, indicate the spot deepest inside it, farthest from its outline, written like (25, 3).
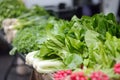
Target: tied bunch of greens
(33, 12)
(32, 17)
(11, 9)
(17, 9)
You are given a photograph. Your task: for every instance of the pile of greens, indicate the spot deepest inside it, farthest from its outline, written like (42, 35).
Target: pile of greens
(29, 37)
(33, 12)
(91, 42)
(11, 9)
(34, 17)
(30, 26)
(17, 9)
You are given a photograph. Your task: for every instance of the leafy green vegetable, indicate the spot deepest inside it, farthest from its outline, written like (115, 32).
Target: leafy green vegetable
(35, 11)
(73, 61)
(30, 26)
(43, 66)
(17, 9)
(90, 41)
(10, 9)
(83, 38)
(30, 38)
(102, 55)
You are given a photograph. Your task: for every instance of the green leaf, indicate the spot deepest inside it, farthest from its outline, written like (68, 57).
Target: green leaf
(73, 61)
(86, 62)
(91, 39)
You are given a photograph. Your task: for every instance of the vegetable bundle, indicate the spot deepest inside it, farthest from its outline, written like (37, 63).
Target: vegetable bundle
(88, 44)
(30, 38)
(28, 24)
(11, 9)
(17, 9)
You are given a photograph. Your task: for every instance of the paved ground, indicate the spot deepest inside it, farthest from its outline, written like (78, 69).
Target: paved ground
(5, 61)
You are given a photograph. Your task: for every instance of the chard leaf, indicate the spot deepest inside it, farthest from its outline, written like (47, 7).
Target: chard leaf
(73, 61)
(91, 39)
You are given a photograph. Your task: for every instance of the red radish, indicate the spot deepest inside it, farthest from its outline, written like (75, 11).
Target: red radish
(73, 77)
(78, 76)
(117, 68)
(99, 76)
(61, 75)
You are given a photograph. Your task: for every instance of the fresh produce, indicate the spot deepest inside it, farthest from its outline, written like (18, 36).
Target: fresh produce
(29, 38)
(61, 75)
(43, 66)
(30, 26)
(117, 68)
(78, 76)
(80, 49)
(99, 76)
(10, 9)
(82, 42)
(89, 44)
(17, 9)
(33, 12)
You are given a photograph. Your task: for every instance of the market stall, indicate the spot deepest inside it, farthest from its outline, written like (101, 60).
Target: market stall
(86, 48)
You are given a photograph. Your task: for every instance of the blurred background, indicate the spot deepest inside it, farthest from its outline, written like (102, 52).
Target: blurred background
(76, 7)
(63, 9)
(67, 8)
